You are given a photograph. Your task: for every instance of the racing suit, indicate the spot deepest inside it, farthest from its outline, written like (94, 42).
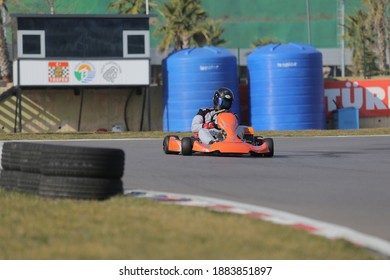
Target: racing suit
(205, 125)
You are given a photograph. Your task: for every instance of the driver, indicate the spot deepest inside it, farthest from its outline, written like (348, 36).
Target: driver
(205, 121)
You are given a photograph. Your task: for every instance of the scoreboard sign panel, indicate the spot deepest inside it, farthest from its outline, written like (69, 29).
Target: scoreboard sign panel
(83, 73)
(81, 50)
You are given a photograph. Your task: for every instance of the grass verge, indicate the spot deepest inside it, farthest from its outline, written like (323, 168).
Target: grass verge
(34, 227)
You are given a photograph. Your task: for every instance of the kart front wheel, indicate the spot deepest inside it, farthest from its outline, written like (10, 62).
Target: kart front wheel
(270, 144)
(186, 146)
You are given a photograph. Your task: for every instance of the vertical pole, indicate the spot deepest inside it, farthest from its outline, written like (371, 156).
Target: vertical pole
(149, 109)
(238, 65)
(143, 108)
(20, 109)
(147, 7)
(308, 21)
(342, 34)
(81, 107)
(16, 113)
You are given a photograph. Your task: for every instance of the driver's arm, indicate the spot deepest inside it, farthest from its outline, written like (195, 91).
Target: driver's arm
(197, 123)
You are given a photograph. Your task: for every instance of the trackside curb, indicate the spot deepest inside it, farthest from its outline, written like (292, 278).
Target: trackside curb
(328, 230)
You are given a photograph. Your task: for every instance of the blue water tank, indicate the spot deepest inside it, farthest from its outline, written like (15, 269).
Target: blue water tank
(286, 89)
(190, 78)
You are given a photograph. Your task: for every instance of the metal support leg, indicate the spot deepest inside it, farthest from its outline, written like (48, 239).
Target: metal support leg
(18, 111)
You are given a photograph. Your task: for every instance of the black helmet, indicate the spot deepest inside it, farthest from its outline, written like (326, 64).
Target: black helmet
(223, 99)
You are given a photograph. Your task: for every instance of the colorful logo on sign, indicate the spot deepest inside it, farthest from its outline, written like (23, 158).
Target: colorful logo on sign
(58, 72)
(85, 72)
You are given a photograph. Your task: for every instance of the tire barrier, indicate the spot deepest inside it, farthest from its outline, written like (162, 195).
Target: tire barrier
(59, 171)
(79, 187)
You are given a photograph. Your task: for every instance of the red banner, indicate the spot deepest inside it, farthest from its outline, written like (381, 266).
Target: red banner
(371, 97)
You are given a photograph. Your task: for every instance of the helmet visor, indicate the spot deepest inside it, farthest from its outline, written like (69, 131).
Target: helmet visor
(224, 103)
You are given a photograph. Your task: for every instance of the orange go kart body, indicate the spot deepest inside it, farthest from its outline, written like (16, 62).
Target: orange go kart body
(230, 143)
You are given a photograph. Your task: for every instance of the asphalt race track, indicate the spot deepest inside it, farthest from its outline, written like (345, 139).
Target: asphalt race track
(339, 180)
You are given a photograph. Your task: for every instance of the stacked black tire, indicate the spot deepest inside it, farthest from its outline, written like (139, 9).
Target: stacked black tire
(60, 171)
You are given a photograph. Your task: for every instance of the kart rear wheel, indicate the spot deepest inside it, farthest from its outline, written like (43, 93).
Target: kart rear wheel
(186, 146)
(270, 144)
(166, 145)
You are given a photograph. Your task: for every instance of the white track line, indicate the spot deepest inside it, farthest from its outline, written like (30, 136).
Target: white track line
(331, 231)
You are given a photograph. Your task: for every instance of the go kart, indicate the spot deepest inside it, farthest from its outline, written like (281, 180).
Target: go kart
(229, 143)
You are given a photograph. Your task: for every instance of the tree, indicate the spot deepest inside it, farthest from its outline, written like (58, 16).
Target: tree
(359, 40)
(186, 24)
(130, 6)
(209, 34)
(5, 67)
(378, 24)
(181, 23)
(367, 33)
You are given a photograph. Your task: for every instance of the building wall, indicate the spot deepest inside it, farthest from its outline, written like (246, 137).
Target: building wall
(60, 110)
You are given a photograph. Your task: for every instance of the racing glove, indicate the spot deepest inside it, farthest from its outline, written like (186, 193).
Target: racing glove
(209, 125)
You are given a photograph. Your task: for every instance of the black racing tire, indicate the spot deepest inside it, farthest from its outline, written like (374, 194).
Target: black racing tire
(9, 179)
(74, 161)
(79, 187)
(27, 182)
(270, 143)
(19, 181)
(10, 159)
(30, 157)
(23, 156)
(165, 145)
(186, 146)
